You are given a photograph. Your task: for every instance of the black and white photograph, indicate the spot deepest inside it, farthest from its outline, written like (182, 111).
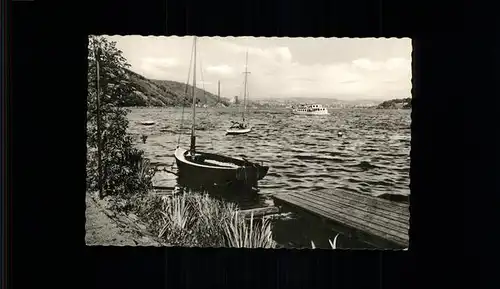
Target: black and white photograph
(248, 142)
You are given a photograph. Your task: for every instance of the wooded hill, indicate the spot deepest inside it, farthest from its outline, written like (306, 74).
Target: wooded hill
(149, 92)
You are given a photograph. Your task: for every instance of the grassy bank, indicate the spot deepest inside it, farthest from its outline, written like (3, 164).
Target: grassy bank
(197, 220)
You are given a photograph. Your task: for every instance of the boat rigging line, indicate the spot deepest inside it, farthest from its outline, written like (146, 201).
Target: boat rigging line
(205, 98)
(185, 98)
(183, 103)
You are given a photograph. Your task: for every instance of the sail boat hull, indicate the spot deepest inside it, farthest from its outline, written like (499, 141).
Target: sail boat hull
(235, 131)
(216, 169)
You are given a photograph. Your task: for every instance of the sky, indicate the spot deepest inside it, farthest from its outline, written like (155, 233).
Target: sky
(340, 68)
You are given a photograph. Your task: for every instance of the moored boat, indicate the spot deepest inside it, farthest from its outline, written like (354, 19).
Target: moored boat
(242, 127)
(210, 168)
(238, 128)
(217, 169)
(148, 122)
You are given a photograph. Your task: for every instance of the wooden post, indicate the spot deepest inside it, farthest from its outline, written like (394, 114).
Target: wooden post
(193, 130)
(99, 135)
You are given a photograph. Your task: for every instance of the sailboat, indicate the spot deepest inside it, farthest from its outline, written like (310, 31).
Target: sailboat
(241, 127)
(210, 168)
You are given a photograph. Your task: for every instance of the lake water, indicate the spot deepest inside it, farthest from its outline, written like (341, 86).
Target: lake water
(303, 152)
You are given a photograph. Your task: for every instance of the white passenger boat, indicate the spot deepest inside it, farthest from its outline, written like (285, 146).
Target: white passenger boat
(310, 109)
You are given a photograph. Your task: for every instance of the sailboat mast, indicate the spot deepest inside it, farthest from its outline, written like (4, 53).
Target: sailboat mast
(245, 87)
(218, 91)
(193, 135)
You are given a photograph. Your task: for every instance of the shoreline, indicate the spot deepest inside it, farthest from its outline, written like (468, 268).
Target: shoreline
(105, 227)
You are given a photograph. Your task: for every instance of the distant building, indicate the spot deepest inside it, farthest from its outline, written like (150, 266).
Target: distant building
(235, 100)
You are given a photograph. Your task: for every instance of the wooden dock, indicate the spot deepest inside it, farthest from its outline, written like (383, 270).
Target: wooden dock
(372, 216)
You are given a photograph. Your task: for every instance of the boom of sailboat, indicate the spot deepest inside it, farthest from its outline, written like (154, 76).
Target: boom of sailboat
(210, 168)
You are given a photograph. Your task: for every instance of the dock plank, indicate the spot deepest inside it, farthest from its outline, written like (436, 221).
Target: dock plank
(385, 212)
(346, 220)
(353, 216)
(401, 208)
(378, 217)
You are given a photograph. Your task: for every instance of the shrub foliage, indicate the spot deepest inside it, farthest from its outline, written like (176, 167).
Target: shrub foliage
(124, 169)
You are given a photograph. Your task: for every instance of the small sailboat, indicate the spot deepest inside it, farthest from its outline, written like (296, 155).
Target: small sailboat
(243, 126)
(210, 168)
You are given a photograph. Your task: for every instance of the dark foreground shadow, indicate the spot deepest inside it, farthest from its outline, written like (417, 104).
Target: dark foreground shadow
(298, 231)
(302, 227)
(244, 196)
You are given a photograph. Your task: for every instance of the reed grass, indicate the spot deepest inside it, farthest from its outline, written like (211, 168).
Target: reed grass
(176, 216)
(196, 220)
(240, 234)
(333, 244)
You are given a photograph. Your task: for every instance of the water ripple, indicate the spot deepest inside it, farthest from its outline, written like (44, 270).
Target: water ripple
(304, 153)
